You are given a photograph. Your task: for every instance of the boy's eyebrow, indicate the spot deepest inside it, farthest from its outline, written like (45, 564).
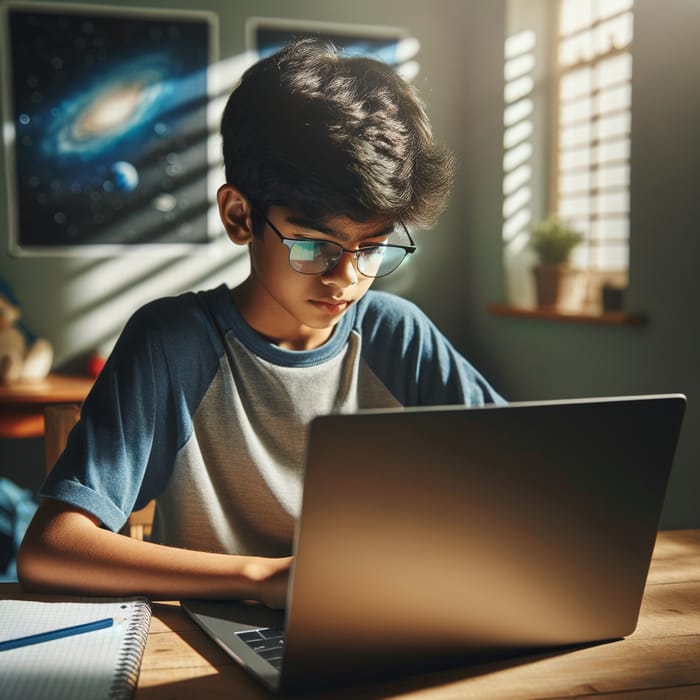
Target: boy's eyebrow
(312, 225)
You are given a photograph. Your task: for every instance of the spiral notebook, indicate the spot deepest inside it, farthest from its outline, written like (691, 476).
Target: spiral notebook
(103, 663)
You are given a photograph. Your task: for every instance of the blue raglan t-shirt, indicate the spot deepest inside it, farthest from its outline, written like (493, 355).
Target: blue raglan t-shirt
(198, 411)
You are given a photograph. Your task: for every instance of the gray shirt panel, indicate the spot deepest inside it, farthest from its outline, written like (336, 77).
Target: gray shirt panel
(236, 485)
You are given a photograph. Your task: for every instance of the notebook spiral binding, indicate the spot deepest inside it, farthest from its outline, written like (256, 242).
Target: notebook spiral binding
(129, 664)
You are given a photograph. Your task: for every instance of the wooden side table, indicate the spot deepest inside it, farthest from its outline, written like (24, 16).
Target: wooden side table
(22, 404)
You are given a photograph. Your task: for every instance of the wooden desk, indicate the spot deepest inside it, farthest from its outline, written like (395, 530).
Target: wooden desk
(22, 404)
(663, 653)
(660, 660)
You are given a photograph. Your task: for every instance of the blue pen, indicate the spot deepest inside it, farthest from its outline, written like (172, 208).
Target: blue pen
(56, 634)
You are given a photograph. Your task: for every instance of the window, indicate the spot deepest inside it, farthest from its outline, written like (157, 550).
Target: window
(594, 96)
(567, 120)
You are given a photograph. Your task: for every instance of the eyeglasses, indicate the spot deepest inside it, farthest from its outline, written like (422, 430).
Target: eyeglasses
(316, 257)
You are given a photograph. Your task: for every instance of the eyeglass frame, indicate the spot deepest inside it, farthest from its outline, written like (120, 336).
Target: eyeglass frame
(289, 242)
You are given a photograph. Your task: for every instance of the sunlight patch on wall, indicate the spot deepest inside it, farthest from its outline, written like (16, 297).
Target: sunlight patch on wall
(518, 123)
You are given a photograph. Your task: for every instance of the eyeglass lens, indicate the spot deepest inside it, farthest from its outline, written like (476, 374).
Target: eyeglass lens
(316, 257)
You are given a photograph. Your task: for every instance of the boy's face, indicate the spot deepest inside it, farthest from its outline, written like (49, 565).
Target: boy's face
(300, 311)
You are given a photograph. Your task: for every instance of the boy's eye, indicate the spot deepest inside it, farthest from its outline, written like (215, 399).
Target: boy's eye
(305, 250)
(373, 251)
(312, 256)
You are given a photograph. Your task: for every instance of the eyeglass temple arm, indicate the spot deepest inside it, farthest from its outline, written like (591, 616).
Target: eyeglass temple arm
(408, 233)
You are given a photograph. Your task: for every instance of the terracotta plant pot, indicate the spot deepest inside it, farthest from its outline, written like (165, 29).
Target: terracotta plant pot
(555, 285)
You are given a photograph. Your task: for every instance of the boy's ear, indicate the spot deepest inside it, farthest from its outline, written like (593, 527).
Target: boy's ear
(236, 214)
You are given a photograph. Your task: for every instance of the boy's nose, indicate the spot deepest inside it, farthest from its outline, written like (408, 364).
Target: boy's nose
(344, 274)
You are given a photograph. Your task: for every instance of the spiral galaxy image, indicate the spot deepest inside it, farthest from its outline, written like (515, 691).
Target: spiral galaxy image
(110, 120)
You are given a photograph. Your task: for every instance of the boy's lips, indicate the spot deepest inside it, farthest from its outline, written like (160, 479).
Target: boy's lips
(331, 306)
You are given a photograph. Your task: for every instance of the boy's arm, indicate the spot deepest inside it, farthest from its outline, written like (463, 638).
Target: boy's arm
(65, 550)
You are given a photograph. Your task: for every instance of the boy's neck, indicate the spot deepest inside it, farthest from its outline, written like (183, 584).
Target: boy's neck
(268, 325)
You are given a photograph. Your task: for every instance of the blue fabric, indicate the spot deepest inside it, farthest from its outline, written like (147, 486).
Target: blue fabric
(413, 359)
(17, 507)
(7, 292)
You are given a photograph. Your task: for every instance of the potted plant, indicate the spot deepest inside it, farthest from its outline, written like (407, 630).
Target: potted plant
(553, 240)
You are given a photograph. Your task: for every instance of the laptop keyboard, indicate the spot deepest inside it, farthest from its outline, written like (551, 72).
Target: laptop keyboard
(267, 642)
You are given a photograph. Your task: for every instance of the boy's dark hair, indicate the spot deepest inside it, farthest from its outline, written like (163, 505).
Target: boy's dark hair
(329, 135)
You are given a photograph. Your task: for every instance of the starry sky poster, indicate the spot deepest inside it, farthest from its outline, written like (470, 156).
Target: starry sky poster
(110, 119)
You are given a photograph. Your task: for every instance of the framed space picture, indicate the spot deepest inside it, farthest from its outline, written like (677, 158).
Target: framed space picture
(107, 127)
(393, 45)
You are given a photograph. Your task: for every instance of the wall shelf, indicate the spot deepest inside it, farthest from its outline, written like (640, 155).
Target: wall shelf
(607, 318)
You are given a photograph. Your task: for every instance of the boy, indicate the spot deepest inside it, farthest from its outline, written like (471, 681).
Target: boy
(205, 400)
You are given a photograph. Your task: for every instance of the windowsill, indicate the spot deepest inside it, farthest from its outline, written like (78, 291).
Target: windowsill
(605, 318)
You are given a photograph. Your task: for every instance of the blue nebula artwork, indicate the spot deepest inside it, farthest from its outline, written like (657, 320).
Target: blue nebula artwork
(110, 120)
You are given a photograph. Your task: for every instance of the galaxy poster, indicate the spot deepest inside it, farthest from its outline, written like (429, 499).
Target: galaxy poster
(110, 128)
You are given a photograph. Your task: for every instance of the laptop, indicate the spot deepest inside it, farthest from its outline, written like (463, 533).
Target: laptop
(439, 536)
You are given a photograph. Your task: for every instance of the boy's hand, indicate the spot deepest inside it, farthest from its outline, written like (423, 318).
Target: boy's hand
(271, 578)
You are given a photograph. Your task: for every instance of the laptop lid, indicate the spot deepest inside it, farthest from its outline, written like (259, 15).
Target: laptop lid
(447, 535)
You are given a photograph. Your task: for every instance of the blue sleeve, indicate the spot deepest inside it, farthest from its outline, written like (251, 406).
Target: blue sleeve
(138, 415)
(413, 358)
